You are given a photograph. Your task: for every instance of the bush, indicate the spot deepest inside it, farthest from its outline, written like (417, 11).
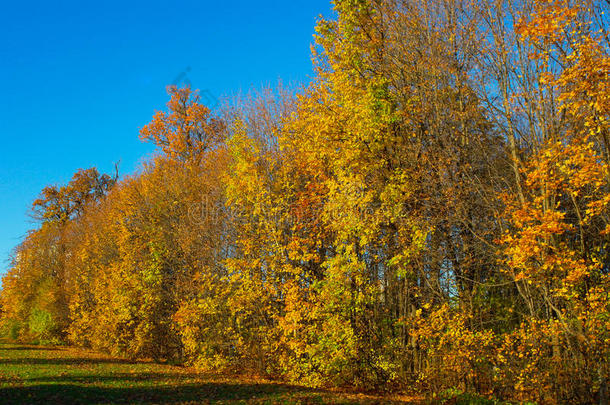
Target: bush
(10, 329)
(44, 328)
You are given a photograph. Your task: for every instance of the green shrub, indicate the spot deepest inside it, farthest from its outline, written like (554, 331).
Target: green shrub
(10, 329)
(42, 325)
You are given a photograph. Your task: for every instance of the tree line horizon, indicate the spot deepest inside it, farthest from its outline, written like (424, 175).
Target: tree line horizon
(431, 213)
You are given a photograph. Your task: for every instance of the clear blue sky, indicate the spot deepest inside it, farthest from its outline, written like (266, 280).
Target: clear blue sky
(80, 78)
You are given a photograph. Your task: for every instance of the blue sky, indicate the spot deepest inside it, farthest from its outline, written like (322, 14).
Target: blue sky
(80, 78)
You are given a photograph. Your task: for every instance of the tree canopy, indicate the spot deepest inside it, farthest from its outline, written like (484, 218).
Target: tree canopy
(431, 212)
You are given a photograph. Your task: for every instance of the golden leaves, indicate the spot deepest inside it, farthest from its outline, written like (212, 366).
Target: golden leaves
(187, 130)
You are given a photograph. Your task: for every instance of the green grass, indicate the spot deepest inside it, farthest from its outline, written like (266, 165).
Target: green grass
(58, 375)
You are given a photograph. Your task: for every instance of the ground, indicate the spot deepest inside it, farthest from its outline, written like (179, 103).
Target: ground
(62, 375)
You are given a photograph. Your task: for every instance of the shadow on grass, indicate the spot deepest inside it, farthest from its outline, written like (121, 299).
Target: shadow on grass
(27, 348)
(144, 387)
(114, 378)
(66, 361)
(186, 393)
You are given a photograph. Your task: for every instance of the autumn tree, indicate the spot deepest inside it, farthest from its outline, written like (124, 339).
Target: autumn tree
(37, 295)
(430, 212)
(187, 130)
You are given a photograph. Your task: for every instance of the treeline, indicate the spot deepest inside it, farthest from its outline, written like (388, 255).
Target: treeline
(431, 212)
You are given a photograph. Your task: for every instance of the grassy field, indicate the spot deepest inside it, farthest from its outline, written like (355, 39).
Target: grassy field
(58, 375)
